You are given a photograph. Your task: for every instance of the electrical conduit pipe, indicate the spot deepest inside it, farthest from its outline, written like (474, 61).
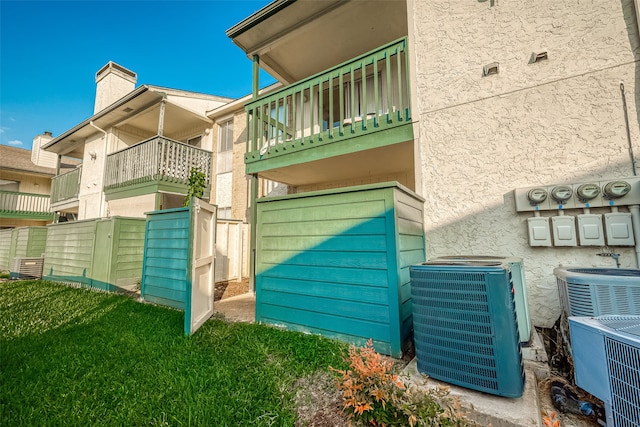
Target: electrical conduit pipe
(635, 222)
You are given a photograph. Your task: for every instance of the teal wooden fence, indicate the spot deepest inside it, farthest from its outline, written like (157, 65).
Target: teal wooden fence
(167, 257)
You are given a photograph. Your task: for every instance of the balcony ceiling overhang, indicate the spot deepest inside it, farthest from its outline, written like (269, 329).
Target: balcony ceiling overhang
(140, 110)
(295, 39)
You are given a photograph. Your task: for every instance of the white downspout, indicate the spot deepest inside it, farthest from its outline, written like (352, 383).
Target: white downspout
(635, 222)
(104, 164)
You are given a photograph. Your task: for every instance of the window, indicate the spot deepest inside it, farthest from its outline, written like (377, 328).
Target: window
(224, 169)
(9, 185)
(195, 141)
(225, 147)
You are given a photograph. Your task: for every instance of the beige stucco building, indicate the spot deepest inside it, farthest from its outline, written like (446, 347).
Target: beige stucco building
(560, 120)
(504, 96)
(137, 149)
(25, 183)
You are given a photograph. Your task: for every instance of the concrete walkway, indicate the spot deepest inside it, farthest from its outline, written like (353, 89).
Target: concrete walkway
(241, 308)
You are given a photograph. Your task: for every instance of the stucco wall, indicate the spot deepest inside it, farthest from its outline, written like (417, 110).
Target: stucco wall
(135, 207)
(90, 196)
(557, 121)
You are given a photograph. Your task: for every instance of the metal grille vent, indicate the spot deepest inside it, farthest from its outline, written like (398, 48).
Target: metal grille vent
(624, 377)
(580, 302)
(606, 353)
(27, 268)
(591, 292)
(457, 325)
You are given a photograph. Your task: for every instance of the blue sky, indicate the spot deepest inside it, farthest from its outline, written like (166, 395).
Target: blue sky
(51, 50)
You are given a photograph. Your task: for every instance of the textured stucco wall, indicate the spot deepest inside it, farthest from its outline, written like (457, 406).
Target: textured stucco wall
(240, 181)
(90, 196)
(132, 206)
(557, 121)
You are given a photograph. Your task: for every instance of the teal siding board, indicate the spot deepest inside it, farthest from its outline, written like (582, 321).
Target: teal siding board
(167, 258)
(333, 262)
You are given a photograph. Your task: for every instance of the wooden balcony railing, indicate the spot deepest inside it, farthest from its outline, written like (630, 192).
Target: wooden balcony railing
(367, 94)
(66, 186)
(13, 202)
(156, 159)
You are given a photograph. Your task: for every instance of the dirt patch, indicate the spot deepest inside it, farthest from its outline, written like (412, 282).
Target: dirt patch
(318, 402)
(231, 288)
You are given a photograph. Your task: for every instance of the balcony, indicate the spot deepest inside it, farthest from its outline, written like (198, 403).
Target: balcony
(65, 187)
(357, 106)
(157, 164)
(18, 205)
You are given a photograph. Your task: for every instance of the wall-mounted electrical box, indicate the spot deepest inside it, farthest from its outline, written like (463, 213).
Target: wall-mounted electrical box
(564, 230)
(619, 229)
(609, 192)
(539, 231)
(590, 230)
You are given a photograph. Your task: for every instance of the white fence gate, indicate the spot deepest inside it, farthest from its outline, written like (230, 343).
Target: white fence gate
(232, 250)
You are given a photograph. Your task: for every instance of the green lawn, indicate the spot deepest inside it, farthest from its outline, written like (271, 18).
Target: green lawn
(77, 357)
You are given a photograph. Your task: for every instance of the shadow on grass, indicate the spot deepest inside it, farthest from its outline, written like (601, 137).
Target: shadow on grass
(86, 358)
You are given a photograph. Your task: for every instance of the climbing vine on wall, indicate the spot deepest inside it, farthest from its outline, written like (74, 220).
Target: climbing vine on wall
(197, 183)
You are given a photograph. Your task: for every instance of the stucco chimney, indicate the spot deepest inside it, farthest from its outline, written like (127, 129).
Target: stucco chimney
(41, 157)
(113, 81)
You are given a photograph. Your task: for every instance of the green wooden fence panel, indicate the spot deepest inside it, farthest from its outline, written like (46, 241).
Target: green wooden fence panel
(5, 246)
(92, 253)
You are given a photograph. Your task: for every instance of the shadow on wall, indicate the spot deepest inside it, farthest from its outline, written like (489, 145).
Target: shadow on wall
(497, 229)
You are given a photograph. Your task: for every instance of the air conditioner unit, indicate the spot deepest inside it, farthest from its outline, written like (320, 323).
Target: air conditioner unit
(606, 357)
(519, 286)
(598, 291)
(465, 328)
(27, 268)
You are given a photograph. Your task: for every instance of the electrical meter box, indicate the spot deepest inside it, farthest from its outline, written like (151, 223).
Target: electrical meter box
(590, 231)
(539, 231)
(564, 230)
(619, 229)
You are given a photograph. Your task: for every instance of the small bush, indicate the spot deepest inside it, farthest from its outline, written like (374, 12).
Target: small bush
(197, 184)
(374, 395)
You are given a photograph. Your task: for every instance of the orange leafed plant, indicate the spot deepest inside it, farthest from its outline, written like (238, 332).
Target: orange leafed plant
(373, 395)
(550, 420)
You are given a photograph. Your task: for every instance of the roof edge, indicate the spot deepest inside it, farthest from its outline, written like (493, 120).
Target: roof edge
(99, 114)
(258, 17)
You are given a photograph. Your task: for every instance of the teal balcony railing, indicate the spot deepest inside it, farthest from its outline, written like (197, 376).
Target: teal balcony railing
(14, 203)
(367, 94)
(65, 187)
(158, 159)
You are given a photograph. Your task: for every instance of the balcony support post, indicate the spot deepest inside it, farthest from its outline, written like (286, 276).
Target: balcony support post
(256, 77)
(253, 222)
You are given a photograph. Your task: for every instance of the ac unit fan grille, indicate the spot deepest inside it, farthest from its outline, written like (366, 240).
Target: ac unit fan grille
(454, 327)
(473, 324)
(462, 349)
(437, 370)
(580, 301)
(624, 371)
(452, 334)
